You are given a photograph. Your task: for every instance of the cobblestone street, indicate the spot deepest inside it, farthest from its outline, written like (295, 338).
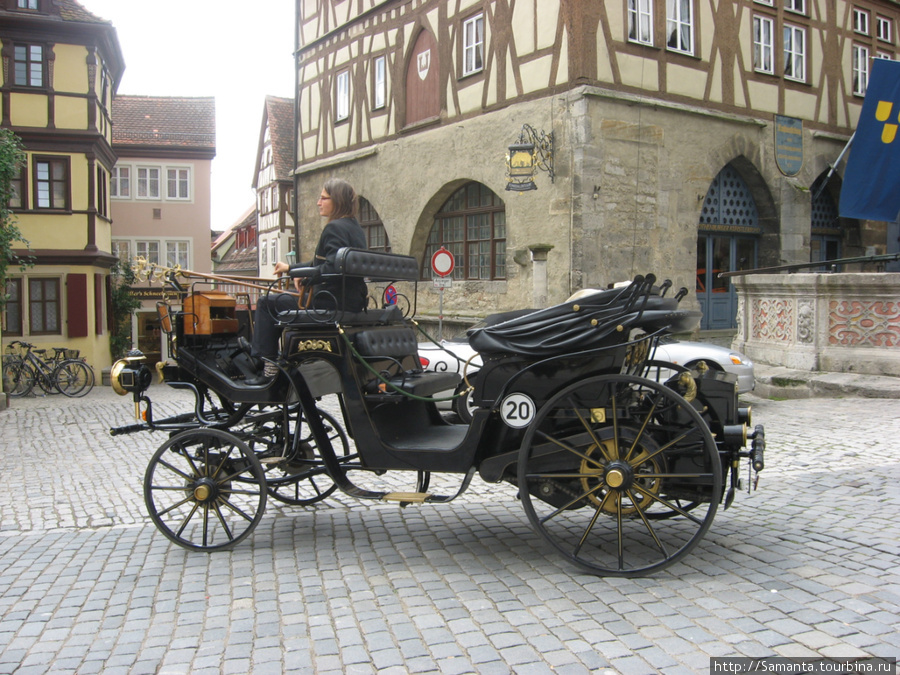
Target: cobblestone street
(807, 565)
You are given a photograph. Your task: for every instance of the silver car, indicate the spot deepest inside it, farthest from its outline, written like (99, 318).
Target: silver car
(456, 356)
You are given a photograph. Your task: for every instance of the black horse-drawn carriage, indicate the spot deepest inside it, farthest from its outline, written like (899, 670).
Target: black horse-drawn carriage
(619, 461)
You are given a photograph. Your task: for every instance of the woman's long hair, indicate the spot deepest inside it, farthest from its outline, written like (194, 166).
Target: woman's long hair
(343, 198)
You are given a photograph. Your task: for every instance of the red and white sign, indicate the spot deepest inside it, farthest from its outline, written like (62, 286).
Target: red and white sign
(442, 262)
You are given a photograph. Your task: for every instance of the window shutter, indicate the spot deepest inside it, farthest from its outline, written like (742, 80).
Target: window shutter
(98, 304)
(110, 318)
(76, 305)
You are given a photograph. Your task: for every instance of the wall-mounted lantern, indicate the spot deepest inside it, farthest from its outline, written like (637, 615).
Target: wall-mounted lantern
(533, 150)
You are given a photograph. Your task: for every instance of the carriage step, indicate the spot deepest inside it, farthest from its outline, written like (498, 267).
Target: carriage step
(410, 497)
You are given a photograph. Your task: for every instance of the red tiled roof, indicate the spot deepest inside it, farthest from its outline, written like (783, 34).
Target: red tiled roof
(280, 112)
(164, 121)
(71, 10)
(235, 259)
(248, 218)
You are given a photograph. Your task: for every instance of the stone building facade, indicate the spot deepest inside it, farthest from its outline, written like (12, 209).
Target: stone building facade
(688, 138)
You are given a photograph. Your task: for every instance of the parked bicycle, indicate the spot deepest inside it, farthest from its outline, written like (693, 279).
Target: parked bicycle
(26, 366)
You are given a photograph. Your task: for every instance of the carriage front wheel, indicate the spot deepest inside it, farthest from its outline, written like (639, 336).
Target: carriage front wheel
(606, 468)
(205, 490)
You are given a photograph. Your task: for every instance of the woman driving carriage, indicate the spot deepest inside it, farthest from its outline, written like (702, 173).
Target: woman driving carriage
(339, 204)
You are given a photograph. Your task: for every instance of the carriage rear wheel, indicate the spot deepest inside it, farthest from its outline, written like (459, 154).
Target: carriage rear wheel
(205, 490)
(620, 474)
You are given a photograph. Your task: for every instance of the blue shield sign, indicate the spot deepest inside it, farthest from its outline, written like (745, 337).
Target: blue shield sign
(788, 144)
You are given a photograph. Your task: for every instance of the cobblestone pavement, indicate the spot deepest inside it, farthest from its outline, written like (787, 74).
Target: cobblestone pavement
(807, 565)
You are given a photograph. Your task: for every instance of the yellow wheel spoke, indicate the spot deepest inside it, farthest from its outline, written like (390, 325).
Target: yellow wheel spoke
(569, 448)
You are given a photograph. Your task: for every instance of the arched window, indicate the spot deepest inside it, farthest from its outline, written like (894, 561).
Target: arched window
(472, 226)
(825, 230)
(371, 223)
(728, 239)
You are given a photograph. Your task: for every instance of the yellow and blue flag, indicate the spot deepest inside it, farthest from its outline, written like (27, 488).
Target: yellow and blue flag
(871, 188)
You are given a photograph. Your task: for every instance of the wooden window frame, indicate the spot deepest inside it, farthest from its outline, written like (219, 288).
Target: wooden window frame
(50, 182)
(379, 82)
(14, 299)
(30, 63)
(790, 55)
(19, 188)
(759, 46)
(120, 175)
(174, 254)
(178, 182)
(461, 247)
(117, 250)
(342, 96)
(678, 21)
(147, 182)
(102, 192)
(795, 6)
(861, 21)
(635, 15)
(884, 29)
(45, 305)
(147, 245)
(859, 69)
(473, 44)
(376, 235)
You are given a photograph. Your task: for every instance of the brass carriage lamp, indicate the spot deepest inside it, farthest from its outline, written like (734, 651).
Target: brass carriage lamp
(532, 150)
(131, 374)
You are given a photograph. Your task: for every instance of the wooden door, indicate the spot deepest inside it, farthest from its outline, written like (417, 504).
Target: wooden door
(422, 81)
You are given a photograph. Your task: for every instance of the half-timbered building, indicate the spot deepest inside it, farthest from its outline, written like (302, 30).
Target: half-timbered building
(60, 69)
(273, 184)
(678, 137)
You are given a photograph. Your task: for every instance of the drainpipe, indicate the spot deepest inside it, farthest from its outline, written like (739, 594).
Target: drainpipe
(294, 133)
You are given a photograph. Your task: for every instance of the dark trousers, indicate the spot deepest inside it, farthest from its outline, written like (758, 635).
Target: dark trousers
(266, 330)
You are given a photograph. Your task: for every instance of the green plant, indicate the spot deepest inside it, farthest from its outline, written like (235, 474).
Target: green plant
(12, 159)
(123, 305)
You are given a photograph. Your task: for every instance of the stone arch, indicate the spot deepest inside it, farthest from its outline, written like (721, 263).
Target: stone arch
(825, 193)
(426, 217)
(488, 212)
(731, 231)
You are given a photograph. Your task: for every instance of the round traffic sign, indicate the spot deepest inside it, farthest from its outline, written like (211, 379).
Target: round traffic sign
(442, 262)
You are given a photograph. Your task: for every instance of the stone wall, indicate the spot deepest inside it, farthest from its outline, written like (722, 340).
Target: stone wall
(847, 323)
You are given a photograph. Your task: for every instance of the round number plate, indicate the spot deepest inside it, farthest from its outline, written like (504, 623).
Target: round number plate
(517, 410)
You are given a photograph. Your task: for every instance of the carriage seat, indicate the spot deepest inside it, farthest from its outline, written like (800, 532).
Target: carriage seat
(398, 344)
(595, 321)
(374, 267)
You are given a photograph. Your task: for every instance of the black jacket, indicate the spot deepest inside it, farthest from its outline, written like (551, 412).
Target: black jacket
(350, 295)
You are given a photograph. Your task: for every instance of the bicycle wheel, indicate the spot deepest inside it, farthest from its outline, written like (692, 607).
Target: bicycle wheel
(73, 378)
(18, 378)
(45, 378)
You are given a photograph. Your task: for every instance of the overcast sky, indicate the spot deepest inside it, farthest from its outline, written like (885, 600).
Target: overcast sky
(237, 53)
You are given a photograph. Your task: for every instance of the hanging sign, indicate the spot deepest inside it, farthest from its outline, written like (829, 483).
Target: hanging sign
(788, 144)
